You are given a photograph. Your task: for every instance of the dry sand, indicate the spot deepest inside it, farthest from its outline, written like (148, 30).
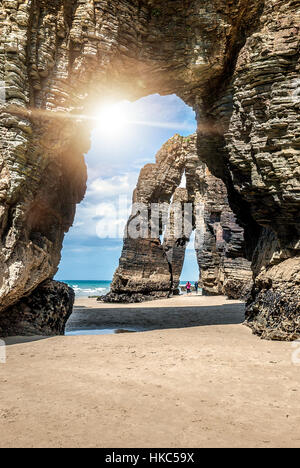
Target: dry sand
(200, 379)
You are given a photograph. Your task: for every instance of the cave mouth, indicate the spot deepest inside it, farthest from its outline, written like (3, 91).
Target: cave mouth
(125, 136)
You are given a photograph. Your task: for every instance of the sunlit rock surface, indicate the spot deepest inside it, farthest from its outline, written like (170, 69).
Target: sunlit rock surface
(150, 267)
(145, 270)
(236, 63)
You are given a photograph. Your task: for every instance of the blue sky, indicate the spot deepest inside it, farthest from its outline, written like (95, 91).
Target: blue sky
(118, 151)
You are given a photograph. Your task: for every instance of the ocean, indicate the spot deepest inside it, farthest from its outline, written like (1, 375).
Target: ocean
(89, 288)
(92, 288)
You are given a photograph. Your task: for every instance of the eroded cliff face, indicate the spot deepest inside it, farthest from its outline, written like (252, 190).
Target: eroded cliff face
(259, 111)
(145, 270)
(236, 63)
(220, 245)
(164, 215)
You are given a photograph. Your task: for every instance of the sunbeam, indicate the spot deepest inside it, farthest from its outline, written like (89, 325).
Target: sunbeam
(111, 118)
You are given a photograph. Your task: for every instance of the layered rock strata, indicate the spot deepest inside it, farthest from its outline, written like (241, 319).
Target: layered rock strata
(219, 239)
(150, 267)
(177, 234)
(145, 271)
(236, 63)
(274, 305)
(256, 124)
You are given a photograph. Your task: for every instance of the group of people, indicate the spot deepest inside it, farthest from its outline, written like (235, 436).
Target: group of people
(189, 287)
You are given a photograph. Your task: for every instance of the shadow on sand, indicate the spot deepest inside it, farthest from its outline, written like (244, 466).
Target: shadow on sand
(13, 340)
(147, 318)
(119, 320)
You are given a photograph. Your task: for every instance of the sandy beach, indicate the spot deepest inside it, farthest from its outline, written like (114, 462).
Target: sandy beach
(198, 378)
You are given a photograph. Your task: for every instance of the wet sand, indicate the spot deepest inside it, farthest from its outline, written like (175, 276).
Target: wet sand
(199, 378)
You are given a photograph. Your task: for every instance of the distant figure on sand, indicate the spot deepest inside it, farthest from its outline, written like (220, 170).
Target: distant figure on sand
(188, 287)
(196, 286)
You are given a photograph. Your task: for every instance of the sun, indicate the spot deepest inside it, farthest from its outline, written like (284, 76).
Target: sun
(113, 118)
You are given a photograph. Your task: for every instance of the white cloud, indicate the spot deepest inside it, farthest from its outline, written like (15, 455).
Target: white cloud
(107, 219)
(106, 207)
(110, 188)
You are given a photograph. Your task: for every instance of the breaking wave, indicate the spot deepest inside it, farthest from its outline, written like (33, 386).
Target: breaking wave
(89, 288)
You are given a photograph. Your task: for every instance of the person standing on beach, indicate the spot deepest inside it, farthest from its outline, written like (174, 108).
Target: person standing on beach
(188, 287)
(196, 286)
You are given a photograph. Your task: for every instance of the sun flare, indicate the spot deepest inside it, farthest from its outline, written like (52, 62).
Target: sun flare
(112, 118)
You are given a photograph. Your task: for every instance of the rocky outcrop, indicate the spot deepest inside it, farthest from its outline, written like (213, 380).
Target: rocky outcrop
(236, 63)
(259, 110)
(219, 245)
(274, 306)
(155, 245)
(44, 312)
(178, 231)
(145, 271)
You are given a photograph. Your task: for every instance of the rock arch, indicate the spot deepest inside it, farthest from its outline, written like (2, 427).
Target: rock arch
(150, 267)
(236, 63)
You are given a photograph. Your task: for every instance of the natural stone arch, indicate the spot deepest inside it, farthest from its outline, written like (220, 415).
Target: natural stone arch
(164, 216)
(237, 64)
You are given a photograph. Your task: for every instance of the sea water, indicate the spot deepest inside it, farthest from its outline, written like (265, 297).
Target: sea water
(89, 288)
(95, 288)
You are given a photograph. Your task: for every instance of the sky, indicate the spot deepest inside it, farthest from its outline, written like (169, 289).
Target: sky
(125, 138)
